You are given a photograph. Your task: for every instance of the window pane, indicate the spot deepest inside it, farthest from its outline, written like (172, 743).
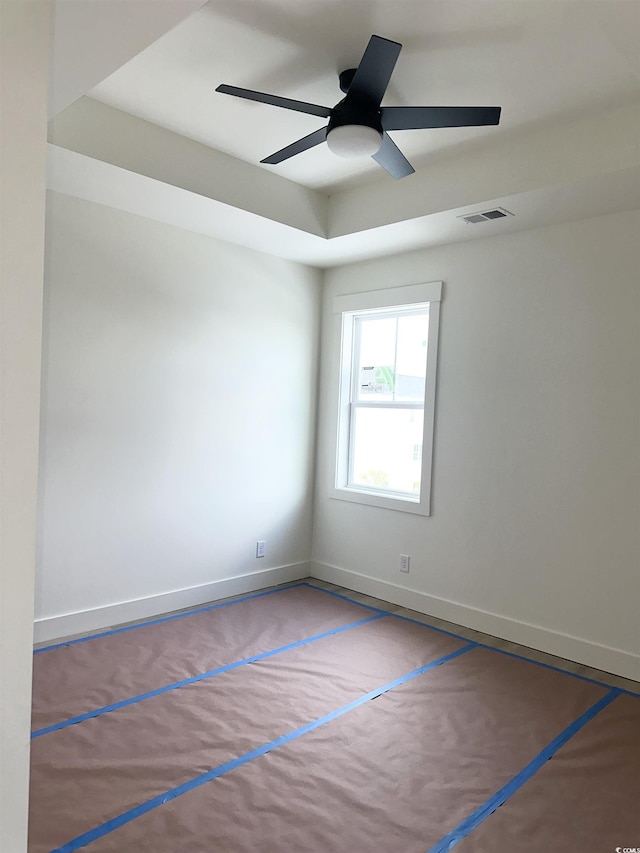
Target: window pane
(376, 365)
(384, 445)
(411, 357)
(392, 360)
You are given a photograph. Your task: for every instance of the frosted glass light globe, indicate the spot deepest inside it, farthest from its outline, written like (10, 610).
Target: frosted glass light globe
(354, 140)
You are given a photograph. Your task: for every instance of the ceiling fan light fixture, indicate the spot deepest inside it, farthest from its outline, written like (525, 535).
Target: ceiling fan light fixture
(359, 125)
(354, 140)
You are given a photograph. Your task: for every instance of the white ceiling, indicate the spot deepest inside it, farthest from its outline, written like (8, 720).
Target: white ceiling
(566, 70)
(90, 40)
(541, 61)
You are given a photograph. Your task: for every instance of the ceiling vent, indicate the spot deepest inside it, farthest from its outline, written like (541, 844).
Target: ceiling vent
(486, 215)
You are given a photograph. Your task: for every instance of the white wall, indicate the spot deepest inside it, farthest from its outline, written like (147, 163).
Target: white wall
(534, 534)
(24, 56)
(178, 417)
(178, 429)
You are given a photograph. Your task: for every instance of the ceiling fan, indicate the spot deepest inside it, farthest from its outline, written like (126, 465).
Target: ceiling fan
(358, 125)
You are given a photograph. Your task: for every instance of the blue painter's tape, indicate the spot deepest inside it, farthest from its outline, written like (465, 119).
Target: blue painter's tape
(168, 618)
(625, 691)
(431, 627)
(550, 666)
(449, 841)
(346, 598)
(98, 712)
(396, 615)
(489, 648)
(556, 669)
(216, 772)
(199, 610)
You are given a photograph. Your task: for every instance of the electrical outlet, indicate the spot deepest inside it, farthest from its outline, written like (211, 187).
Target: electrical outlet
(261, 548)
(404, 562)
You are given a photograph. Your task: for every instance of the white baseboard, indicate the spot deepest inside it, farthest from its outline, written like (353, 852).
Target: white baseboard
(571, 648)
(111, 615)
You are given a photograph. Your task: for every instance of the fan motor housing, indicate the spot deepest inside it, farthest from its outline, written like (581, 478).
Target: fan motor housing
(345, 78)
(349, 111)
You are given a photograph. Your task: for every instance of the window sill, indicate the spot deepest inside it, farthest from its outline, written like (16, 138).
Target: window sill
(399, 504)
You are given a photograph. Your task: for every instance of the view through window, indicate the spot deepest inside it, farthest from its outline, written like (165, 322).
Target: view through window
(387, 399)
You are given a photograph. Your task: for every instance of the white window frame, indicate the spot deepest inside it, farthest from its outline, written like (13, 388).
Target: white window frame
(345, 307)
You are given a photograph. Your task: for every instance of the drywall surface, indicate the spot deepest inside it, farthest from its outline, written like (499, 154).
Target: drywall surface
(535, 501)
(178, 410)
(24, 71)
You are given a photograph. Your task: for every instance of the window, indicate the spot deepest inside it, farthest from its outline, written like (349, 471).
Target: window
(388, 349)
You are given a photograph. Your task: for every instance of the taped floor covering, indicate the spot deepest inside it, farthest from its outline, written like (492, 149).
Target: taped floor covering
(331, 727)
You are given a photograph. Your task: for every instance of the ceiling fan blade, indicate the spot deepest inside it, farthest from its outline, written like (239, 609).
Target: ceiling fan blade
(298, 147)
(275, 100)
(391, 158)
(374, 72)
(417, 118)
